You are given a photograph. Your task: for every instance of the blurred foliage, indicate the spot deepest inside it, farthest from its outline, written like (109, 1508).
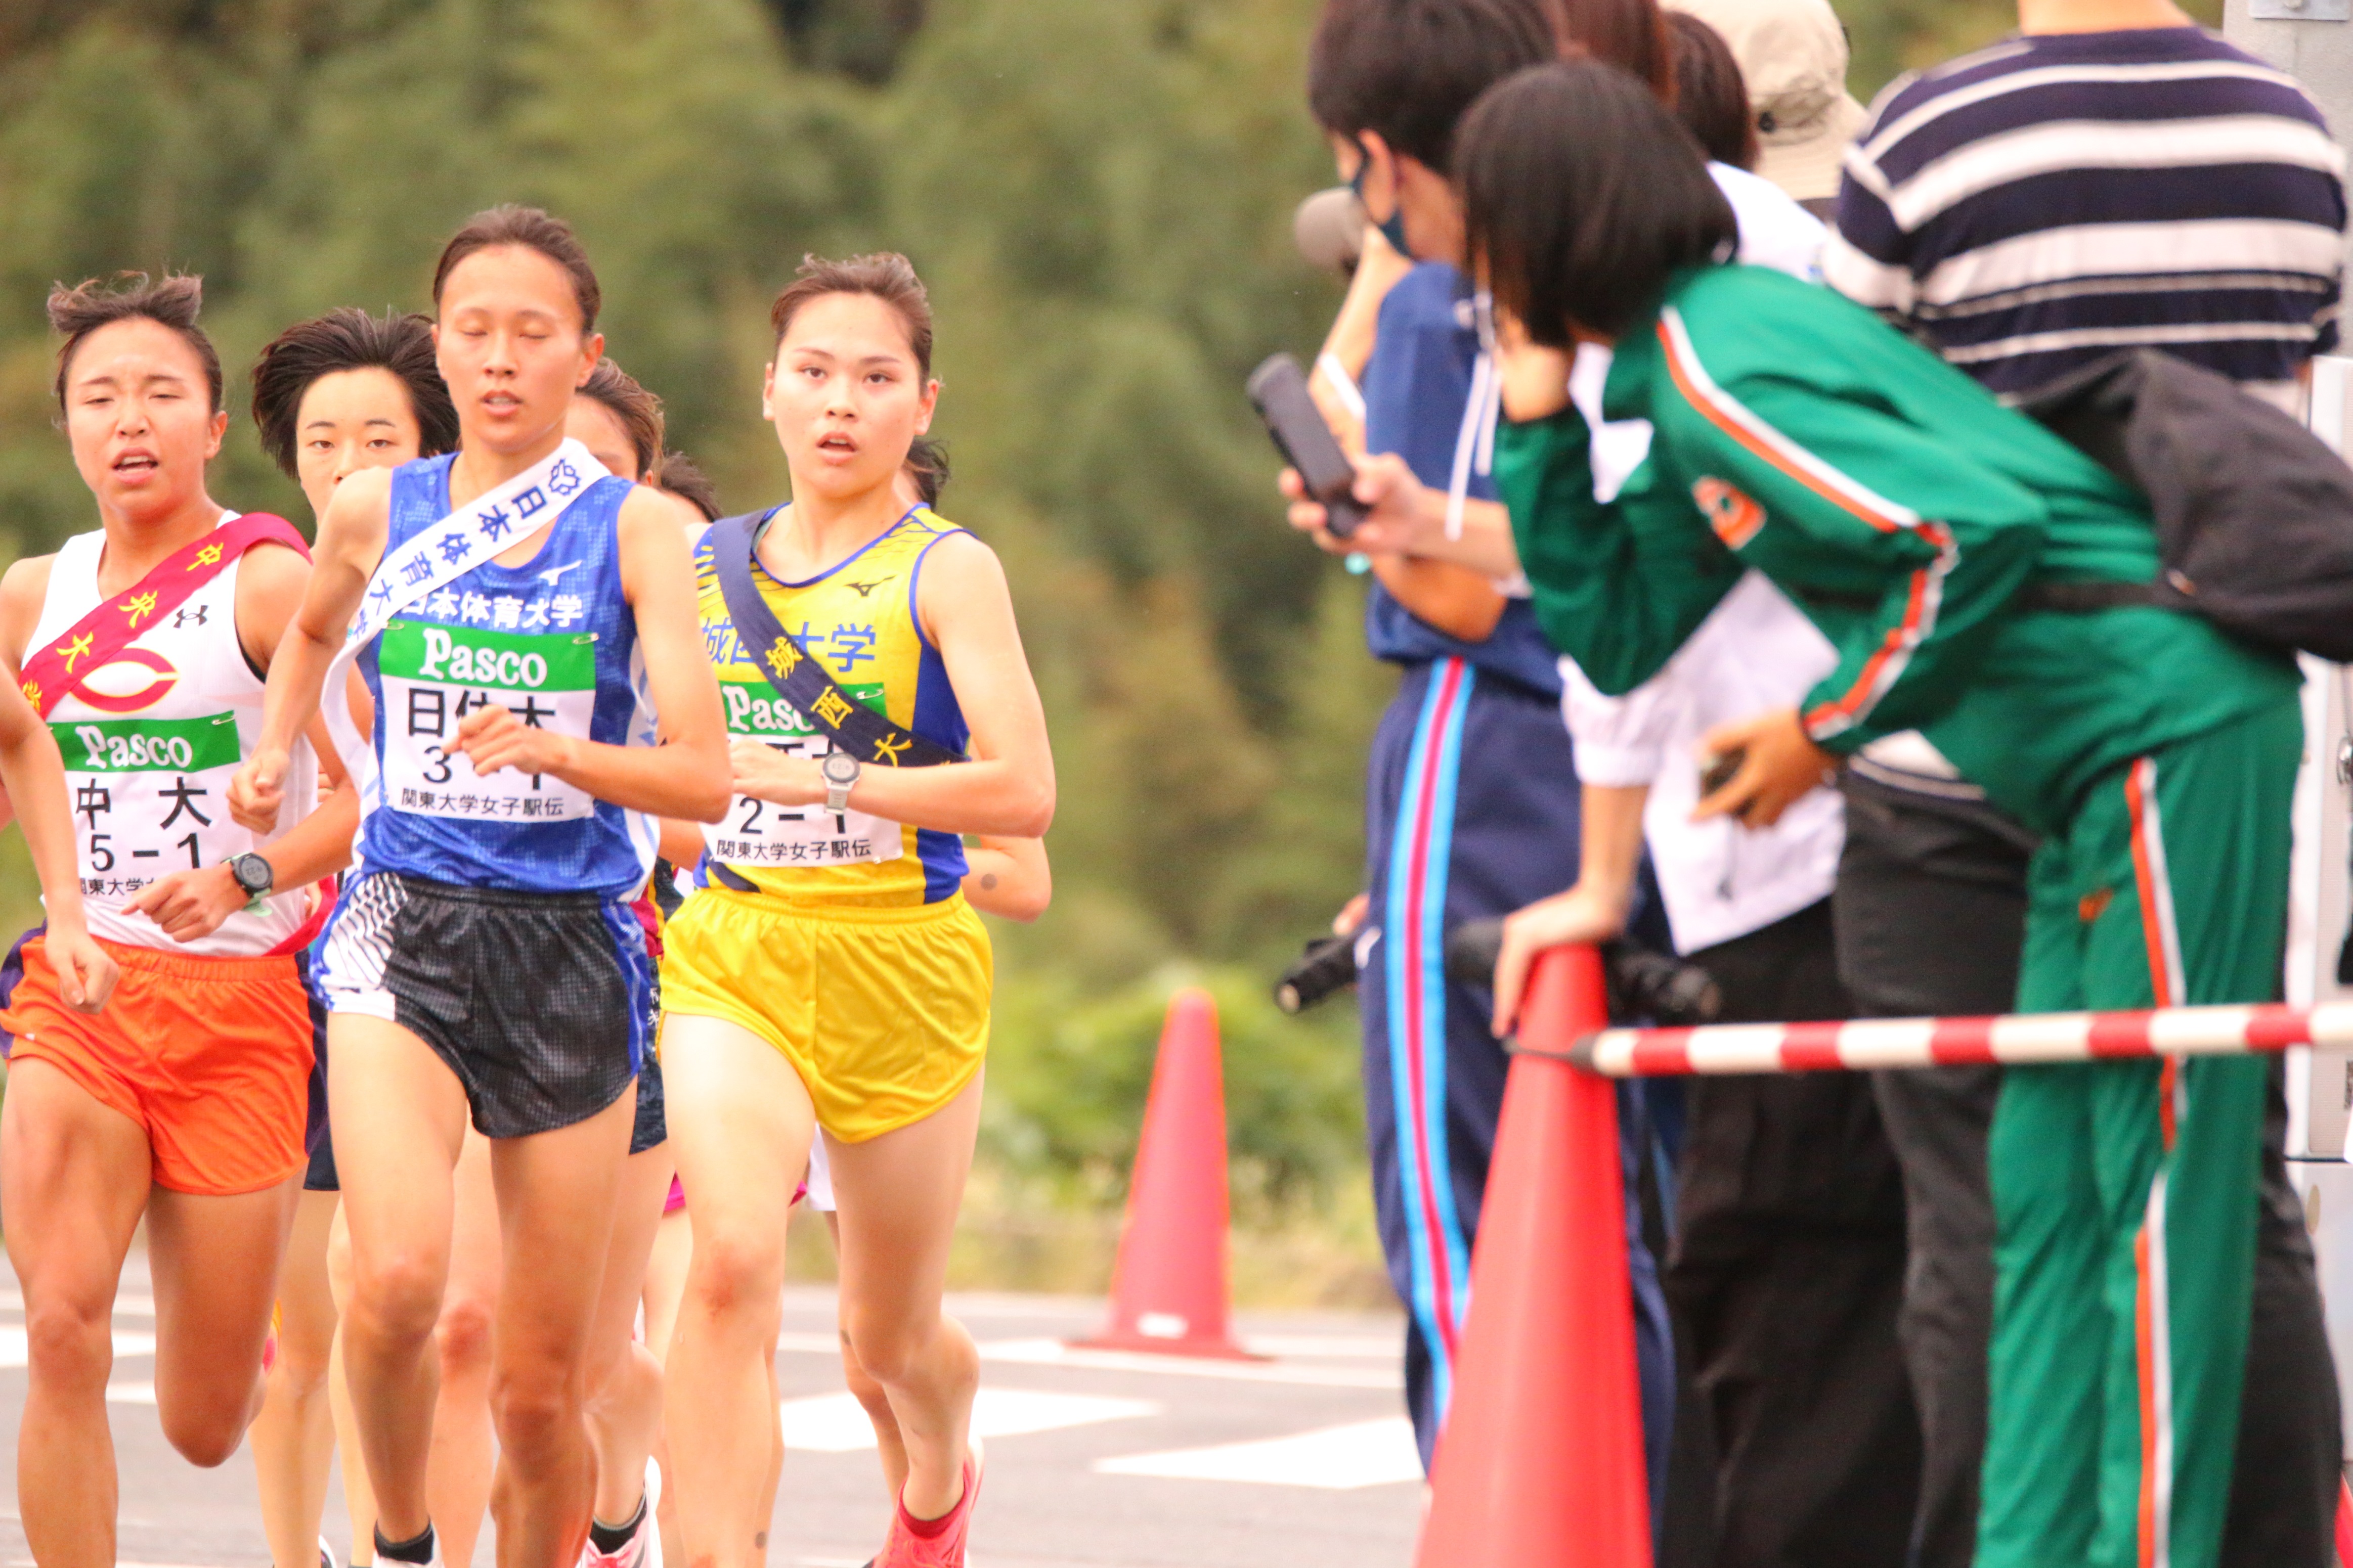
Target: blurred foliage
(1099, 194)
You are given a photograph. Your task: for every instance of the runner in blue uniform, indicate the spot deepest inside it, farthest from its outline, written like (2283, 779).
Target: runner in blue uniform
(519, 616)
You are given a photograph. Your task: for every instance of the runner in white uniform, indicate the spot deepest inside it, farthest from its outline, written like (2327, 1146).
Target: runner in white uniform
(188, 1101)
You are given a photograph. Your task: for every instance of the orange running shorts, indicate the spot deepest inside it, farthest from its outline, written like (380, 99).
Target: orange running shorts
(211, 1056)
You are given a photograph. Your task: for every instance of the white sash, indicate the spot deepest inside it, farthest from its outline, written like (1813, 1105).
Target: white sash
(494, 523)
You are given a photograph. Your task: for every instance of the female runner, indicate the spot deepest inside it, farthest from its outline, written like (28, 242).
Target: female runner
(186, 1102)
(851, 996)
(521, 611)
(344, 391)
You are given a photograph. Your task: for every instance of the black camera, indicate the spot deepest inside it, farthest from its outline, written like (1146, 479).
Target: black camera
(1327, 967)
(1643, 982)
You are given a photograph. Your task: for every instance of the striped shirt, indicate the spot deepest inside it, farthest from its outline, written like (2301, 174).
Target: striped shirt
(2032, 207)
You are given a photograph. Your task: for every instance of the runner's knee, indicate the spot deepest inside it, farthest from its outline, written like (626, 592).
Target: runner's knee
(204, 1427)
(735, 1272)
(534, 1407)
(462, 1334)
(396, 1298)
(70, 1344)
(888, 1344)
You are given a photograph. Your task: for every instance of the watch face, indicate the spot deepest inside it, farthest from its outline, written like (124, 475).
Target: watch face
(839, 767)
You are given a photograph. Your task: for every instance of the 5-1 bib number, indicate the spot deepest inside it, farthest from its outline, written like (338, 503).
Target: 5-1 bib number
(434, 676)
(147, 797)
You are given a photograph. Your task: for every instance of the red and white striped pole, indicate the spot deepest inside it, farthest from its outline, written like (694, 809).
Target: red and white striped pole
(2014, 1039)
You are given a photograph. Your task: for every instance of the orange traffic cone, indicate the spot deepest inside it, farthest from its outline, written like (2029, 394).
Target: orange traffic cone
(1168, 1289)
(1541, 1461)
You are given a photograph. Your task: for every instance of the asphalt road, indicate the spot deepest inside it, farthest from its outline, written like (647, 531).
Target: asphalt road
(1095, 1460)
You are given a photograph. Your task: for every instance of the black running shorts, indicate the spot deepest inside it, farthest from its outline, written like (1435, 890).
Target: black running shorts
(543, 1004)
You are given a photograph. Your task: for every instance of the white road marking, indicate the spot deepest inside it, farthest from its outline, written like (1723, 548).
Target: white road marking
(130, 1394)
(1337, 1459)
(837, 1423)
(15, 1351)
(1054, 1352)
(1345, 1347)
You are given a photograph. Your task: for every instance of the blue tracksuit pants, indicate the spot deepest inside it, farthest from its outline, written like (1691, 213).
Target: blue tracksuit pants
(1471, 810)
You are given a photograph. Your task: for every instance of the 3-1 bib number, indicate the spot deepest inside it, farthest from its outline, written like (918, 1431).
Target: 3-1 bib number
(434, 676)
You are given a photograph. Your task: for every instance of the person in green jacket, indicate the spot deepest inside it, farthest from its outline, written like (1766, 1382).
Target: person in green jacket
(1973, 570)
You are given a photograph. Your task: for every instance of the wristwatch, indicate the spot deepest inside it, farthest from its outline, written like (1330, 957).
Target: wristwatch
(840, 770)
(254, 874)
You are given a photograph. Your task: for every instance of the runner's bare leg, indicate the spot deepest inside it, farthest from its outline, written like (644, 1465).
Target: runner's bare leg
(295, 1436)
(465, 1446)
(557, 1193)
(73, 1181)
(740, 1123)
(899, 1195)
(399, 1115)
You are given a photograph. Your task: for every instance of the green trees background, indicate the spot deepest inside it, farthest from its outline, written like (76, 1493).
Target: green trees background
(1099, 193)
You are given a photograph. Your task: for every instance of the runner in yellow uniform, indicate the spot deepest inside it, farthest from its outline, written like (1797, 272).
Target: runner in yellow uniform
(828, 971)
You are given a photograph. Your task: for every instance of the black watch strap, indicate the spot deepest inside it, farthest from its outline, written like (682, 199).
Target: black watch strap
(250, 868)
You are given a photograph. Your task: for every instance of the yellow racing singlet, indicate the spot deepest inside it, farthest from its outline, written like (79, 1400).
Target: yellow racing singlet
(859, 619)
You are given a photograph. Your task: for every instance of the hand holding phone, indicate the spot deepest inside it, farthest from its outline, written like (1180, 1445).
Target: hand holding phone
(1278, 389)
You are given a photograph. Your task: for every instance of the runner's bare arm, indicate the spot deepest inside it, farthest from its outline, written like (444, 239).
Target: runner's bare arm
(1010, 878)
(36, 776)
(22, 589)
(1008, 789)
(685, 776)
(351, 541)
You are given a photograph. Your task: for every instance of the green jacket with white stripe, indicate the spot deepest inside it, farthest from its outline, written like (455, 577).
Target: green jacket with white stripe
(1903, 509)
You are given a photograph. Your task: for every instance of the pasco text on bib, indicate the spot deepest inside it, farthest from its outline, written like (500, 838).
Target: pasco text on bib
(434, 676)
(762, 834)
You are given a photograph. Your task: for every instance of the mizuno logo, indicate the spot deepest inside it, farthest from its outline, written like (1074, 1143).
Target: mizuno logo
(866, 590)
(554, 574)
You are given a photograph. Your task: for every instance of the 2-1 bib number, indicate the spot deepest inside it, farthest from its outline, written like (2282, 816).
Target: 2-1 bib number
(434, 676)
(763, 834)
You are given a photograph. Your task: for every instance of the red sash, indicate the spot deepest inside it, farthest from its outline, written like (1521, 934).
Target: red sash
(52, 674)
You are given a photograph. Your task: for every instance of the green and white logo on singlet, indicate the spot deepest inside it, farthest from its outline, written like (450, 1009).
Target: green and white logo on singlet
(434, 676)
(148, 745)
(758, 833)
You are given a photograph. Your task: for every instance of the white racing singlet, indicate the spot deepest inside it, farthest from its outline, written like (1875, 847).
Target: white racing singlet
(151, 740)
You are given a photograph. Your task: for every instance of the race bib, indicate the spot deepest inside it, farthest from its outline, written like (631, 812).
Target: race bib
(148, 797)
(762, 834)
(434, 676)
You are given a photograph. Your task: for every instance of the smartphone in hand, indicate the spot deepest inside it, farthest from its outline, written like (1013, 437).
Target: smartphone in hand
(1278, 389)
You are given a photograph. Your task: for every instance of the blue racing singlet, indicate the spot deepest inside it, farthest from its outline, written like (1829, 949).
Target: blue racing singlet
(553, 640)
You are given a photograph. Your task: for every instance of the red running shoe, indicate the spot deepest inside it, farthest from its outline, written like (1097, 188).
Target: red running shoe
(903, 1548)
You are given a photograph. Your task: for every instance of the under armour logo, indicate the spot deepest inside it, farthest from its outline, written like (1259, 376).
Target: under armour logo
(192, 615)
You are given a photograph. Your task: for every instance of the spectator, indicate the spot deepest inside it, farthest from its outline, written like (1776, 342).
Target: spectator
(1711, 97)
(1793, 57)
(1790, 1255)
(1471, 799)
(2025, 210)
(1918, 521)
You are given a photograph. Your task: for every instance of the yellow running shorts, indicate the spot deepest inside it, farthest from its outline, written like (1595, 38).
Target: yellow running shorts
(884, 1013)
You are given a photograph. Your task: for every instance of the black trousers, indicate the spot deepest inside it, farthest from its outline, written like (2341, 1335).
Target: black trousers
(1931, 914)
(1787, 1274)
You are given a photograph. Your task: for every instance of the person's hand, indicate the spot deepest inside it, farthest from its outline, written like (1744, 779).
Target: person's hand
(763, 773)
(1781, 765)
(1579, 915)
(1402, 515)
(1351, 918)
(258, 791)
(492, 737)
(85, 972)
(1534, 380)
(191, 905)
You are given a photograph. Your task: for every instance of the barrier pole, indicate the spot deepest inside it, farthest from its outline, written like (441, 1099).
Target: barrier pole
(2009, 1040)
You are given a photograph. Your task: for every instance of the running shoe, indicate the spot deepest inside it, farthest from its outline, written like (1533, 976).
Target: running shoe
(327, 1554)
(903, 1548)
(643, 1548)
